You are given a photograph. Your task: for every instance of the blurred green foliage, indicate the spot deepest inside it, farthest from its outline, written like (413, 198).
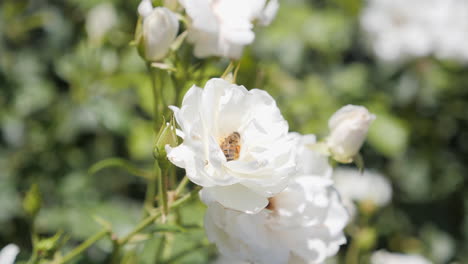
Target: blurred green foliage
(69, 100)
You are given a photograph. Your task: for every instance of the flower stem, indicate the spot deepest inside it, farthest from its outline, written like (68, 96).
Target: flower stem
(162, 187)
(142, 225)
(158, 101)
(159, 252)
(181, 186)
(185, 252)
(151, 189)
(83, 246)
(150, 219)
(352, 255)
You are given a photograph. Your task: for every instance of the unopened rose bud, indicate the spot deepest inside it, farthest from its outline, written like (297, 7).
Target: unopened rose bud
(159, 30)
(348, 130)
(166, 136)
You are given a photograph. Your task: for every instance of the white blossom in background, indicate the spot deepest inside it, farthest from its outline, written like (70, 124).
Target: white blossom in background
(369, 187)
(159, 30)
(401, 30)
(244, 173)
(308, 161)
(8, 254)
(348, 130)
(224, 27)
(302, 224)
(99, 20)
(384, 257)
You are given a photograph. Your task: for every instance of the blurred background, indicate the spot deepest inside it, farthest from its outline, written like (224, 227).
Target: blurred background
(74, 92)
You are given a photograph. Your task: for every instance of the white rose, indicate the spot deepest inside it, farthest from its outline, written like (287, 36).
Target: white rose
(8, 254)
(224, 27)
(302, 224)
(348, 130)
(159, 30)
(100, 20)
(384, 257)
(240, 174)
(368, 187)
(310, 162)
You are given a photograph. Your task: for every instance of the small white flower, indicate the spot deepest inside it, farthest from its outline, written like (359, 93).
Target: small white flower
(384, 257)
(160, 27)
(348, 130)
(367, 187)
(309, 162)
(99, 20)
(224, 27)
(8, 254)
(400, 29)
(235, 144)
(302, 224)
(145, 8)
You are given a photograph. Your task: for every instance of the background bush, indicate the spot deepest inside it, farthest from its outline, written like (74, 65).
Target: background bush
(69, 100)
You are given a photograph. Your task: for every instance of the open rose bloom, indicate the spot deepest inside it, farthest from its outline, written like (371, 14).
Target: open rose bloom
(302, 224)
(235, 144)
(224, 27)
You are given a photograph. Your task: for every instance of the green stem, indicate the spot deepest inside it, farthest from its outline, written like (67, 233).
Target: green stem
(150, 219)
(185, 252)
(352, 255)
(181, 186)
(115, 252)
(83, 246)
(34, 257)
(157, 96)
(159, 252)
(151, 189)
(162, 188)
(178, 89)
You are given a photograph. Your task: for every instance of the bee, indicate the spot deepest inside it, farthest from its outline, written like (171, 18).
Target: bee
(231, 146)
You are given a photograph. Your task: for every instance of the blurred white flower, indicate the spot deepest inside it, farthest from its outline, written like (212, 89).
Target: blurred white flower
(302, 224)
(8, 254)
(308, 161)
(348, 130)
(160, 27)
(99, 20)
(401, 29)
(145, 8)
(235, 144)
(224, 27)
(225, 260)
(367, 187)
(384, 257)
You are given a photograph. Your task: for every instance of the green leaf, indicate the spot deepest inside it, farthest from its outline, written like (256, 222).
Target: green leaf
(121, 163)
